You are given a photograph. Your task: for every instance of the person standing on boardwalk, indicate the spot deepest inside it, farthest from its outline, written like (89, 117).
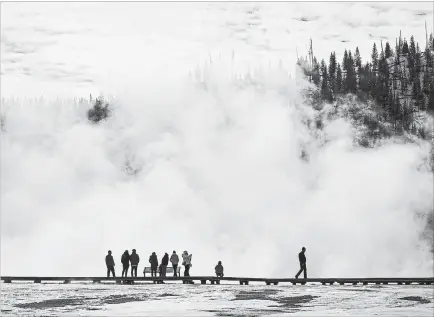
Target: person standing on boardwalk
(125, 259)
(186, 261)
(153, 260)
(134, 259)
(219, 269)
(110, 264)
(164, 263)
(302, 259)
(174, 259)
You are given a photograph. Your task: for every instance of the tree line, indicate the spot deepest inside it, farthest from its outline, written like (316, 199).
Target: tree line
(399, 80)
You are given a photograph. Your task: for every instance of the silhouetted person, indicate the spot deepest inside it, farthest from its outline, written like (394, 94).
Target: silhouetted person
(110, 264)
(164, 263)
(186, 261)
(154, 264)
(134, 259)
(174, 259)
(125, 260)
(219, 269)
(302, 259)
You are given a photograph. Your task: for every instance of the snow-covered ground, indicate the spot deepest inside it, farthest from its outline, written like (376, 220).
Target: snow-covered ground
(219, 164)
(214, 300)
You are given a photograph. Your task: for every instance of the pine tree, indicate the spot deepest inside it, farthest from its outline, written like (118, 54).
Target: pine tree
(383, 80)
(373, 78)
(338, 86)
(316, 76)
(325, 91)
(345, 72)
(374, 58)
(365, 78)
(428, 59)
(388, 51)
(395, 76)
(332, 73)
(412, 47)
(431, 42)
(405, 47)
(351, 79)
(358, 58)
(430, 105)
(411, 60)
(397, 48)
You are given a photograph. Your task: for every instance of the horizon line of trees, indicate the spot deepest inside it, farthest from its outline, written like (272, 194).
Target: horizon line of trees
(400, 80)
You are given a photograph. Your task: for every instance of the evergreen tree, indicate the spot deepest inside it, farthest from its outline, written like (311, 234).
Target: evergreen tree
(383, 80)
(325, 91)
(405, 47)
(345, 72)
(397, 48)
(365, 78)
(358, 59)
(428, 59)
(431, 42)
(351, 79)
(395, 76)
(388, 51)
(316, 76)
(338, 86)
(412, 47)
(374, 58)
(411, 60)
(430, 104)
(373, 78)
(332, 73)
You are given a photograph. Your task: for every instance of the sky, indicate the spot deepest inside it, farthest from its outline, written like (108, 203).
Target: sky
(207, 108)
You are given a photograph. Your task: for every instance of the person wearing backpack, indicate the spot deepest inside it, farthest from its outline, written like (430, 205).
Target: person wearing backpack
(219, 269)
(186, 261)
(134, 259)
(125, 260)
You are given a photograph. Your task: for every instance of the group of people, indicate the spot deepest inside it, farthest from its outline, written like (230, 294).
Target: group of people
(134, 260)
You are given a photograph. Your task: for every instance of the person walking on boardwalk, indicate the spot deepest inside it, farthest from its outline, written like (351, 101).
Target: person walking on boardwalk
(186, 261)
(219, 269)
(164, 263)
(302, 259)
(134, 259)
(174, 259)
(153, 260)
(110, 264)
(125, 260)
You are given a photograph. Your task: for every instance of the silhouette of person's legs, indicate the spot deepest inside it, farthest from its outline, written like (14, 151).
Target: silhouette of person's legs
(175, 270)
(133, 270)
(302, 269)
(111, 269)
(125, 270)
(187, 270)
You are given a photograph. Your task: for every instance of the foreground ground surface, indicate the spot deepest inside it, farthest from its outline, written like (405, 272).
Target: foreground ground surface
(213, 300)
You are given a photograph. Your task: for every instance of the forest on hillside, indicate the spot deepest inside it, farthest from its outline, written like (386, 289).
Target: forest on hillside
(399, 81)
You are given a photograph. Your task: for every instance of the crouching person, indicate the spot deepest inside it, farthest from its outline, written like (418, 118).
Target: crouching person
(219, 269)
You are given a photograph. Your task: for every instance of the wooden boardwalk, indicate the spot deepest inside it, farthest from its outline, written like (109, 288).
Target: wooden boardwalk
(215, 280)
